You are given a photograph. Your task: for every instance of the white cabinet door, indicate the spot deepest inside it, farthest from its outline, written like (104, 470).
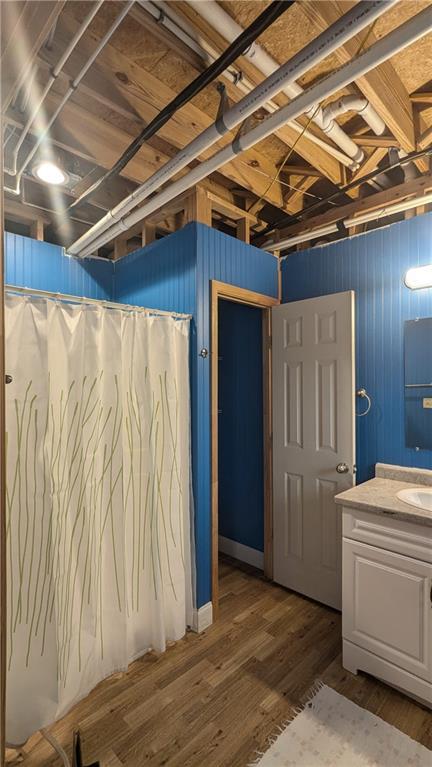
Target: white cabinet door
(387, 606)
(313, 440)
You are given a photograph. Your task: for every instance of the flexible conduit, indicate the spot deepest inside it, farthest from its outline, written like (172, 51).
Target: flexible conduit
(237, 47)
(219, 19)
(184, 31)
(412, 30)
(342, 30)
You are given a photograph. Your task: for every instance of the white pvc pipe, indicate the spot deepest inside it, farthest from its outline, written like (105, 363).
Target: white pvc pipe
(389, 210)
(313, 234)
(219, 19)
(373, 215)
(178, 26)
(406, 34)
(171, 21)
(70, 91)
(343, 29)
(354, 104)
(50, 82)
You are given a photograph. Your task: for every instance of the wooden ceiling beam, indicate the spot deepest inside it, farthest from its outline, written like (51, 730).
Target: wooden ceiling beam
(173, 43)
(28, 25)
(146, 96)
(305, 148)
(302, 170)
(294, 198)
(425, 139)
(110, 194)
(381, 86)
(373, 141)
(369, 164)
(421, 98)
(26, 214)
(397, 193)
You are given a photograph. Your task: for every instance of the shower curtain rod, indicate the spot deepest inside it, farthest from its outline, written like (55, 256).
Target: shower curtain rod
(99, 302)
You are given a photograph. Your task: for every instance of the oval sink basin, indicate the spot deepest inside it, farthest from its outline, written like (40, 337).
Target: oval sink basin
(420, 497)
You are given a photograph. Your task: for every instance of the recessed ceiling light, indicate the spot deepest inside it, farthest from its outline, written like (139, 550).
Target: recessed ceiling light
(50, 173)
(419, 277)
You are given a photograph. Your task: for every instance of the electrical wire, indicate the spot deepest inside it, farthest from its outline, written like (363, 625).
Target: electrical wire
(234, 50)
(282, 183)
(291, 219)
(284, 162)
(301, 134)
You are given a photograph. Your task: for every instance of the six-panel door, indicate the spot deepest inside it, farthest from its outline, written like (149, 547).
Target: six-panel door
(313, 440)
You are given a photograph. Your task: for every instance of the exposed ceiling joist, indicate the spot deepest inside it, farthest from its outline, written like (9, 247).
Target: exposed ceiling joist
(309, 151)
(27, 25)
(397, 193)
(381, 86)
(146, 96)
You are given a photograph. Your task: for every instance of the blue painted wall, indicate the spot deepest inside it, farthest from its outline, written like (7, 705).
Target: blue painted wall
(374, 265)
(33, 264)
(174, 274)
(219, 257)
(241, 454)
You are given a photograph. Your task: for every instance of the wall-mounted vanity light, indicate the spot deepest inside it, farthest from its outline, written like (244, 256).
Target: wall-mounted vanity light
(419, 277)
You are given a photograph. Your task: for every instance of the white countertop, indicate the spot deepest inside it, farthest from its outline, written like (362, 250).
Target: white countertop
(379, 496)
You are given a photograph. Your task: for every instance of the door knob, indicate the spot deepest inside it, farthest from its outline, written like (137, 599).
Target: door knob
(342, 468)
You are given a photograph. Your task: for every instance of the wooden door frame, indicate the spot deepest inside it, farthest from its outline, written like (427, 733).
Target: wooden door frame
(3, 605)
(222, 290)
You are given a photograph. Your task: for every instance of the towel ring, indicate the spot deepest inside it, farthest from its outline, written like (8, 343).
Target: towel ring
(364, 395)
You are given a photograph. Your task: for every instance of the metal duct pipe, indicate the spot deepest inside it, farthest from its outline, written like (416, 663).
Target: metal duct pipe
(412, 30)
(50, 82)
(73, 86)
(343, 29)
(226, 26)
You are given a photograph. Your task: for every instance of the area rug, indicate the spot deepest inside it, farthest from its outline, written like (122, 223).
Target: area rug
(331, 731)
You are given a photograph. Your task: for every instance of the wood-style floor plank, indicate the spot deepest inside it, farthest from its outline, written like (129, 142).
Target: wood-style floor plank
(214, 699)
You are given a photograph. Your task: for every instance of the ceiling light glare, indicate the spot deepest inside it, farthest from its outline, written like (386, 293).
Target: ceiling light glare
(50, 173)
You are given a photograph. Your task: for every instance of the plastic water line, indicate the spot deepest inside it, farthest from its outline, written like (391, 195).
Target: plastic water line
(406, 34)
(343, 29)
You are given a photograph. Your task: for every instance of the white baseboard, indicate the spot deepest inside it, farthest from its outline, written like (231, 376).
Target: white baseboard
(241, 552)
(202, 618)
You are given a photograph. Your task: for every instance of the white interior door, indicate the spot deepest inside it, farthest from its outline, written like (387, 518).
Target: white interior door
(313, 440)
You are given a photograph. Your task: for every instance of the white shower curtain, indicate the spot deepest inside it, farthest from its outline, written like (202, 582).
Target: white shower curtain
(98, 499)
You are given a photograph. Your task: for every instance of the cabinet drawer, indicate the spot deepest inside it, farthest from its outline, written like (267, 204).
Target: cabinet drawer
(409, 538)
(386, 606)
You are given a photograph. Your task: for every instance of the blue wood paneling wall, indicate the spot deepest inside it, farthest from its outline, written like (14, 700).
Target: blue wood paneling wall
(374, 265)
(241, 448)
(174, 274)
(33, 264)
(160, 276)
(219, 257)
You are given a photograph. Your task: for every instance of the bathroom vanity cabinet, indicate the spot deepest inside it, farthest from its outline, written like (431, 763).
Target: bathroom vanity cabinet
(387, 599)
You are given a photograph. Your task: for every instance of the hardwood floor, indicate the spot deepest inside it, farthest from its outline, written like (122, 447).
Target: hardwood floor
(213, 699)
